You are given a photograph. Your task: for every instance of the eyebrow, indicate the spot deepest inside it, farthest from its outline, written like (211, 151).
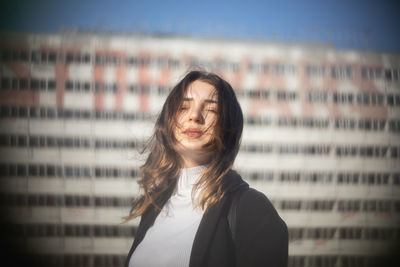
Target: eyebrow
(206, 100)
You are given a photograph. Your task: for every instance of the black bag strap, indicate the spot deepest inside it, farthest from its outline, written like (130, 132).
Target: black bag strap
(233, 210)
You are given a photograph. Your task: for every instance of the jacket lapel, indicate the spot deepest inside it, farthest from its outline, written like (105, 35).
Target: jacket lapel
(146, 222)
(205, 233)
(209, 222)
(147, 219)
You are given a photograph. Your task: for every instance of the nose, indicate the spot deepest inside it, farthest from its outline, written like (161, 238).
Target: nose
(196, 115)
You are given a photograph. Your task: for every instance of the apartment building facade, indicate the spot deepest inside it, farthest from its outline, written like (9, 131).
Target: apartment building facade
(321, 139)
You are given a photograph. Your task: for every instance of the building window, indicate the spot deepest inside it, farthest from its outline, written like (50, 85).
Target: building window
(35, 57)
(52, 57)
(6, 55)
(43, 84)
(51, 85)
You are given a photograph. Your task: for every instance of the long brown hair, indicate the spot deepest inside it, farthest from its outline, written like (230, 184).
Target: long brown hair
(161, 169)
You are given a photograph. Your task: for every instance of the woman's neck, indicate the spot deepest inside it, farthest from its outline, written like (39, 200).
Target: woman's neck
(190, 163)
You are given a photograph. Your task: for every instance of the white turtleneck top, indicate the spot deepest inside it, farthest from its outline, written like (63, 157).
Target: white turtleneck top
(169, 241)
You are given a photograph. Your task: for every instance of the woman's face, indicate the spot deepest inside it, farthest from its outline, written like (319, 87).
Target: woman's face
(196, 122)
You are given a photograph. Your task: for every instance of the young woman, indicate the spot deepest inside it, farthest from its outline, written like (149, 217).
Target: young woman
(196, 211)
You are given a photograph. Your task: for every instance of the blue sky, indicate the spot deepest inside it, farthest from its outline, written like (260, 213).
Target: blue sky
(351, 24)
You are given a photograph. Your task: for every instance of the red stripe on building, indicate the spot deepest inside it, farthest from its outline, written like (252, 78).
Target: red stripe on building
(144, 79)
(238, 76)
(369, 112)
(164, 77)
(120, 74)
(61, 75)
(98, 74)
(19, 98)
(20, 70)
(143, 100)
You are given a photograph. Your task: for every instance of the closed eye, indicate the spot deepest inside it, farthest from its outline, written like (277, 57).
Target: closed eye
(184, 108)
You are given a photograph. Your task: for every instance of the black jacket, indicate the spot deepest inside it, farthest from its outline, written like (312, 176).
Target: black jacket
(261, 236)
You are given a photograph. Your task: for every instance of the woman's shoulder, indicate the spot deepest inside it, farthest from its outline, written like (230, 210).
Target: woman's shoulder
(255, 211)
(261, 236)
(247, 195)
(254, 205)
(256, 201)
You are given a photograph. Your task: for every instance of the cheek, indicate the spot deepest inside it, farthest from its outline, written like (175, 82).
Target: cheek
(180, 118)
(178, 123)
(179, 126)
(211, 125)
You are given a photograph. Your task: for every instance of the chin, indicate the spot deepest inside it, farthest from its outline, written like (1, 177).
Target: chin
(190, 147)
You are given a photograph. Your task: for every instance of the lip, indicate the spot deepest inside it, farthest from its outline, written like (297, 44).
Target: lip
(193, 132)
